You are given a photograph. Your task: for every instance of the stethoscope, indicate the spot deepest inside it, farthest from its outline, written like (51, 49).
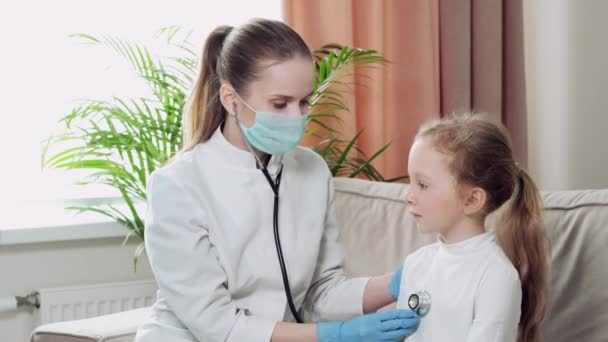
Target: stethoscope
(274, 185)
(420, 302)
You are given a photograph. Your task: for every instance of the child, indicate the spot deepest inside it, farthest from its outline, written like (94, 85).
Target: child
(484, 286)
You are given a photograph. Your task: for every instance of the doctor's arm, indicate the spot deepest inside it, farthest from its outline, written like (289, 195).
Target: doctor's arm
(497, 307)
(331, 295)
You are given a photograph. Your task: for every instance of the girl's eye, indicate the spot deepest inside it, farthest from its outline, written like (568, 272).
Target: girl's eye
(422, 185)
(280, 105)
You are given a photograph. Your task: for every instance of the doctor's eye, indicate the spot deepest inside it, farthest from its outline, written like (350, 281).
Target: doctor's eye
(305, 105)
(281, 105)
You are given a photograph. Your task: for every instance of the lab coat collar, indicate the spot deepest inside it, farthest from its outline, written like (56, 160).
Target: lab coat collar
(239, 158)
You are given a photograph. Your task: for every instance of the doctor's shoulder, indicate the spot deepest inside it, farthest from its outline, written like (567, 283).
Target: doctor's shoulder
(310, 161)
(179, 171)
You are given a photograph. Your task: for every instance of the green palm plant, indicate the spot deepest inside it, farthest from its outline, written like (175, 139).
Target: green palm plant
(335, 65)
(122, 141)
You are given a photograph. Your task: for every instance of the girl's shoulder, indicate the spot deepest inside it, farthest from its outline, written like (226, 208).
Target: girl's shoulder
(497, 262)
(422, 254)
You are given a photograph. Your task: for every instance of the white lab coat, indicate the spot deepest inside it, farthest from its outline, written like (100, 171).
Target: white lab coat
(209, 239)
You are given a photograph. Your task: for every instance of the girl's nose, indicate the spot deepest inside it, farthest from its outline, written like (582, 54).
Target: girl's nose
(409, 197)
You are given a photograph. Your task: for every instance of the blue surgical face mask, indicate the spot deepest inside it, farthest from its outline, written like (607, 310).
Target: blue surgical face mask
(273, 133)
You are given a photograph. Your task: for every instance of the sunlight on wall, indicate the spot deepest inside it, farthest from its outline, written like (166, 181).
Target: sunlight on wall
(44, 72)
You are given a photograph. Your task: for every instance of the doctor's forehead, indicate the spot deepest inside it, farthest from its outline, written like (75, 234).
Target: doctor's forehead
(291, 78)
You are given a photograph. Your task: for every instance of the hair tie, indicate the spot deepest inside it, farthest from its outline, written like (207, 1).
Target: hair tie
(518, 170)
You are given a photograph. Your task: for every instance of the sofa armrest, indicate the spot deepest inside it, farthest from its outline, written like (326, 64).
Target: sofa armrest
(118, 327)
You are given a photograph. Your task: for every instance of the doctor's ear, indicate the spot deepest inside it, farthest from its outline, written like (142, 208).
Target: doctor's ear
(227, 98)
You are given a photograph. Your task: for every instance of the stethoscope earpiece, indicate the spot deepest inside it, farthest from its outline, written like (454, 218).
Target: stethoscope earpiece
(420, 302)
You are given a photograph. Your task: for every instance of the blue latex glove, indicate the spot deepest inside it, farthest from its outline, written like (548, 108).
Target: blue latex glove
(395, 283)
(391, 325)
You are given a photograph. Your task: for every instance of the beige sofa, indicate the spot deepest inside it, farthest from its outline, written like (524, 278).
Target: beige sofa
(378, 233)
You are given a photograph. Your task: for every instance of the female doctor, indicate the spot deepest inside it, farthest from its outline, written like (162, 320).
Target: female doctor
(240, 228)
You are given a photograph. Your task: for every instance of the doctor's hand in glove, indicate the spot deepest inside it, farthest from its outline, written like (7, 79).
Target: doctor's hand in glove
(391, 325)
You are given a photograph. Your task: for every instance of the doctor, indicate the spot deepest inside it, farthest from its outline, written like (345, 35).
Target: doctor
(240, 228)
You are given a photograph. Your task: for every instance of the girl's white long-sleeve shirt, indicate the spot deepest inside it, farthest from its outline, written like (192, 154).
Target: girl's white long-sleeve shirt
(475, 291)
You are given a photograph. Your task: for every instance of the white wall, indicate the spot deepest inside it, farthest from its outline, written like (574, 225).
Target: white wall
(567, 84)
(30, 267)
(45, 73)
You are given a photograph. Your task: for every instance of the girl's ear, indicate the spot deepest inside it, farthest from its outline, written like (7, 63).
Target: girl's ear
(474, 200)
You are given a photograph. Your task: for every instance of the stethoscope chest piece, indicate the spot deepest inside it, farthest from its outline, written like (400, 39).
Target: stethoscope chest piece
(420, 302)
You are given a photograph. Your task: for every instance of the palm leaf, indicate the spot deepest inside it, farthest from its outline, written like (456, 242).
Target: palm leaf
(335, 65)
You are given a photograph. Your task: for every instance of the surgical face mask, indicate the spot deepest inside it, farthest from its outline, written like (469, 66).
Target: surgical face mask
(273, 133)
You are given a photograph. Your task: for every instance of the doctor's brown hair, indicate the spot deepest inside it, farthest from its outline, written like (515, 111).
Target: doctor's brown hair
(480, 155)
(234, 55)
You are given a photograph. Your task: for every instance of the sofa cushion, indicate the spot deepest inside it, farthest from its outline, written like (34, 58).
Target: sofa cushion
(378, 233)
(118, 327)
(576, 224)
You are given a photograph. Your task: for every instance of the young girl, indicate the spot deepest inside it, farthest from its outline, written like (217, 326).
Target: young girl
(485, 286)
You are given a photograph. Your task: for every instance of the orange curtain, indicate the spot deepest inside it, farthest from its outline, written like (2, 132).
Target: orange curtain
(398, 97)
(445, 56)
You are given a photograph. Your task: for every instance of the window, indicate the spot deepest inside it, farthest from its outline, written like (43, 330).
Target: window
(45, 72)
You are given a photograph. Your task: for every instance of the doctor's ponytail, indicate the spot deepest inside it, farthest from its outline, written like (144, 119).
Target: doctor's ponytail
(204, 111)
(480, 155)
(234, 55)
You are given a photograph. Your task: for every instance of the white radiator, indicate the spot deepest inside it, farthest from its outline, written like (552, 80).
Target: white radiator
(77, 302)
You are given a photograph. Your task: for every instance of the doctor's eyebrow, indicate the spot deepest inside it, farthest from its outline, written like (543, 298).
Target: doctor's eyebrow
(289, 98)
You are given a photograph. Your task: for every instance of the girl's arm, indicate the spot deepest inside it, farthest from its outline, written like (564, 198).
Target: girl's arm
(377, 293)
(285, 331)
